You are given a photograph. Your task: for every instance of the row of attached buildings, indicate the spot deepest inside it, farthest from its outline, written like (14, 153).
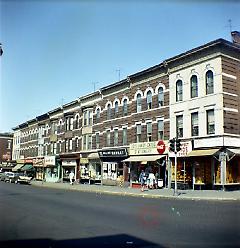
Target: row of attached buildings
(112, 134)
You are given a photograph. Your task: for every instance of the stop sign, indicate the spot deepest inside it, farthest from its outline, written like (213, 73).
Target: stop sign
(161, 147)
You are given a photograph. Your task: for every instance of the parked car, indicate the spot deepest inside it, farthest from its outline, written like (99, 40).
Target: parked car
(2, 176)
(11, 177)
(22, 178)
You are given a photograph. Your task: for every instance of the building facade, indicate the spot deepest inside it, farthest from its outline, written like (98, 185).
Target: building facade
(110, 135)
(6, 145)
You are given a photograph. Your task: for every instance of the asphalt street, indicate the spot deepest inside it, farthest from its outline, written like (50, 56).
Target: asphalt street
(43, 217)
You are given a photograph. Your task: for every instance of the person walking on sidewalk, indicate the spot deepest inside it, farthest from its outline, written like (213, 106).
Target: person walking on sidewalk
(71, 176)
(142, 179)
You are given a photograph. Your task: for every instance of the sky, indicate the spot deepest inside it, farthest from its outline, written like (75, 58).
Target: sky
(55, 51)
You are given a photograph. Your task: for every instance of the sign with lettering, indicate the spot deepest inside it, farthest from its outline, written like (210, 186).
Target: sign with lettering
(161, 147)
(49, 160)
(113, 153)
(38, 162)
(143, 148)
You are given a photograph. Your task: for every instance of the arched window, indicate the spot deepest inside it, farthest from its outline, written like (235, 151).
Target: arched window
(139, 102)
(116, 108)
(149, 99)
(125, 107)
(179, 90)
(98, 115)
(109, 111)
(194, 86)
(209, 82)
(160, 97)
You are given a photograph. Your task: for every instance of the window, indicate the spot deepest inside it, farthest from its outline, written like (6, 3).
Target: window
(98, 115)
(160, 130)
(66, 145)
(97, 141)
(60, 147)
(179, 90)
(116, 108)
(71, 123)
(70, 145)
(124, 136)
(125, 107)
(194, 86)
(108, 138)
(139, 132)
(109, 111)
(9, 144)
(87, 118)
(160, 97)
(76, 144)
(149, 131)
(179, 126)
(89, 143)
(115, 137)
(84, 142)
(77, 122)
(67, 123)
(139, 103)
(210, 122)
(194, 124)
(55, 148)
(209, 82)
(149, 99)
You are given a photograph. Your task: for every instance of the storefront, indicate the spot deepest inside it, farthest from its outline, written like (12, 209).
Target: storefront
(28, 168)
(215, 168)
(149, 157)
(70, 164)
(113, 172)
(38, 164)
(51, 169)
(90, 169)
(18, 166)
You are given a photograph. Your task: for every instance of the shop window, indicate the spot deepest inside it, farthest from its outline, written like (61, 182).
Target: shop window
(160, 130)
(209, 82)
(124, 136)
(139, 133)
(194, 124)
(115, 137)
(125, 107)
(108, 134)
(149, 131)
(194, 86)
(149, 99)
(160, 97)
(210, 122)
(179, 126)
(179, 91)
(139, 103)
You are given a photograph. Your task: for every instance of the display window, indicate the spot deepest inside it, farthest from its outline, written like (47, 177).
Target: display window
(233, 171)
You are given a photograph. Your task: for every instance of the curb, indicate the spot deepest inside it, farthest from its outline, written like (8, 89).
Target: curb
(141, 195)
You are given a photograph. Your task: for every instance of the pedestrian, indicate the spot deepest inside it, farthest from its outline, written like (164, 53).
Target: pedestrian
(71, 177)
(142, 179)
(151, 178)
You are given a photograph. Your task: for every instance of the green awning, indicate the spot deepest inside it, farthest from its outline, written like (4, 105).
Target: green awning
(27, 167)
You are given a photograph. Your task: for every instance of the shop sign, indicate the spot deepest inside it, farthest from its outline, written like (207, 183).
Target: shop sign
(49, 160)
(38, 161)
(113, 153)
(69, 163)
(161, 147)
(186, 147)
(84, 161)
(143, 148)
(28, 161)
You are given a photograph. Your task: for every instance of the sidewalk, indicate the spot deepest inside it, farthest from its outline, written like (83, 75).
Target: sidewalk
(155, 193)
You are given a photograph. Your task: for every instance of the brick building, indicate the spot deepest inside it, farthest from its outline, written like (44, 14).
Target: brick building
(6, 145)
(110, 135)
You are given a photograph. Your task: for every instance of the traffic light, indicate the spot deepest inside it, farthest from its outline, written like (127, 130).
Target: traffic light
(178, 145)
(172, 145)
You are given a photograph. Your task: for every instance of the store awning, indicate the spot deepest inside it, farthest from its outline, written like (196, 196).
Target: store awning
(27, 167)
(143, 158)
(200, 153)
(17, 167)
(93, 155)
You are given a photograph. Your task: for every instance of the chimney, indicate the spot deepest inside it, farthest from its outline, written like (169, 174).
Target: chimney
(236, 37)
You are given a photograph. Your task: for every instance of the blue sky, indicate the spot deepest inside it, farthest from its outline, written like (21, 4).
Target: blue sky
(54, 51)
